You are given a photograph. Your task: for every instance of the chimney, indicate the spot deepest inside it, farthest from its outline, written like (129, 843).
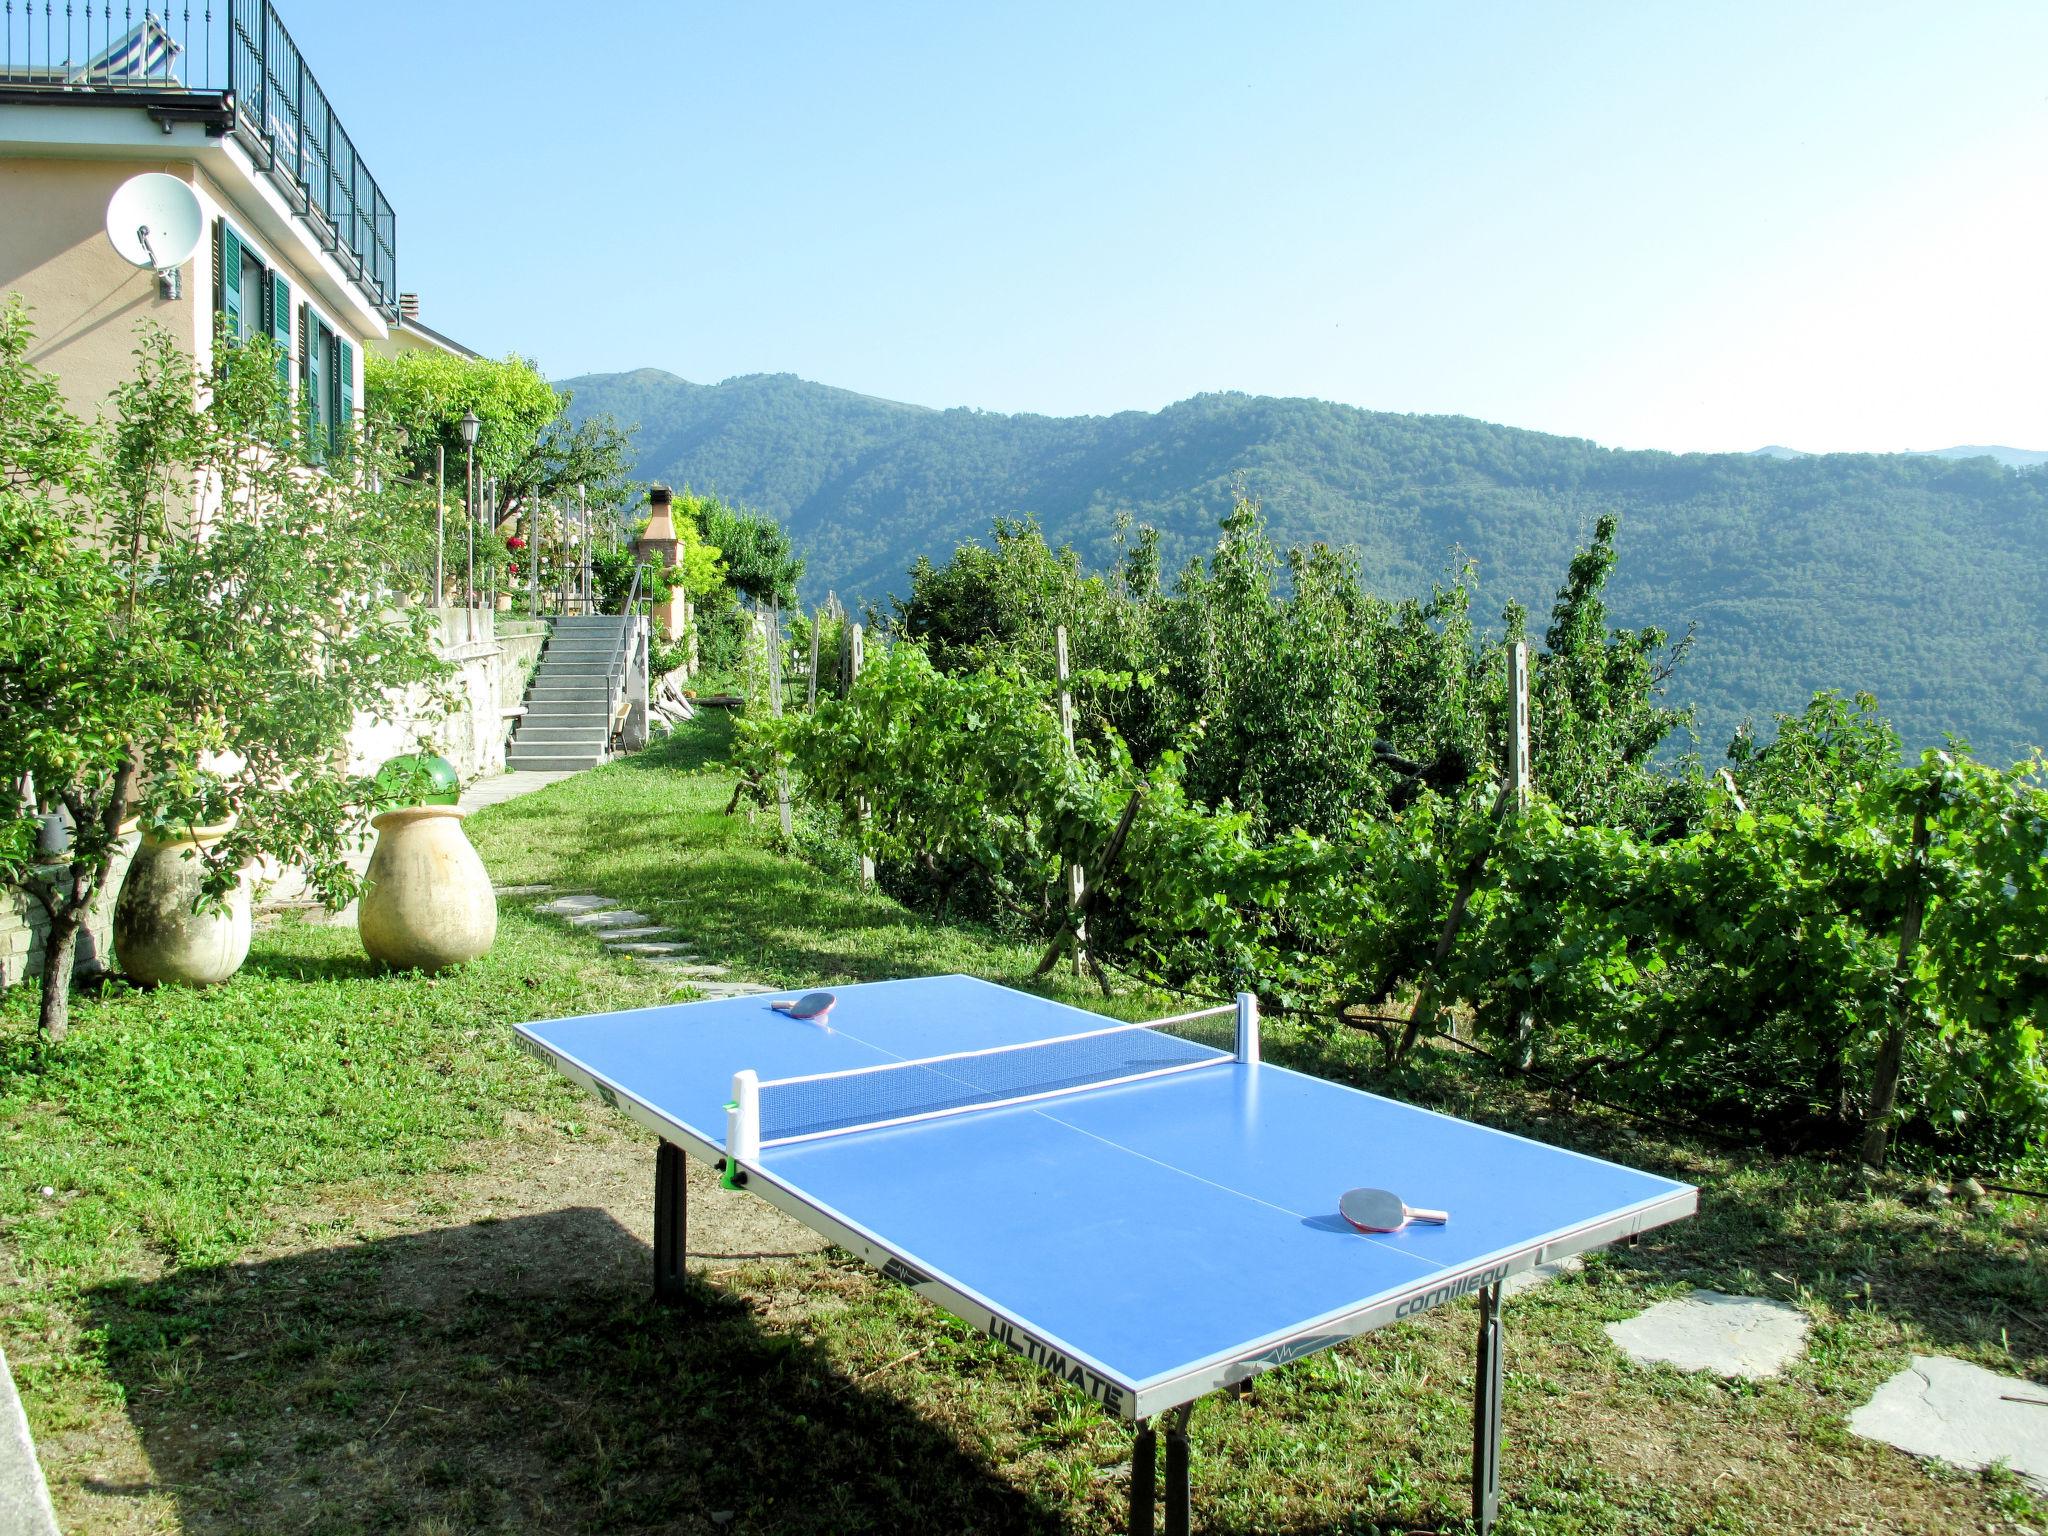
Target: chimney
(659, 542)
(409, 306)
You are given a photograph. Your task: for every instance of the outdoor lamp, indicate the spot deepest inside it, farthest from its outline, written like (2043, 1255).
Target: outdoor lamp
(469, 425)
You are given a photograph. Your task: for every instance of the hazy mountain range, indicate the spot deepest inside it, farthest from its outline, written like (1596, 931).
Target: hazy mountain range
(2012, 458)
(1922, 577)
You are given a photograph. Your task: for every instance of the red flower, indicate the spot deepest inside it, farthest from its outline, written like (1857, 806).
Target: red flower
(515, 542)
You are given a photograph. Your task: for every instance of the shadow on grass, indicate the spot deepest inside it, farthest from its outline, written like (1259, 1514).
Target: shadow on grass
(514, 1375)
(282, 965)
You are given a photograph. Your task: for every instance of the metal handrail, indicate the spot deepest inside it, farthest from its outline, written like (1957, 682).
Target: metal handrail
(615, 674)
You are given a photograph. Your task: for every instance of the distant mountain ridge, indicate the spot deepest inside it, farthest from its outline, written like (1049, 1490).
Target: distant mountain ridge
(1923, 578)
(2011, 458)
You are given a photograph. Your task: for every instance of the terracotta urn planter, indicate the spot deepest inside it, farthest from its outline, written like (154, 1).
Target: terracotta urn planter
(429, 902)
(158, 937)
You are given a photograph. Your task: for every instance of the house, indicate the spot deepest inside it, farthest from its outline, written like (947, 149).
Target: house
(299, 242)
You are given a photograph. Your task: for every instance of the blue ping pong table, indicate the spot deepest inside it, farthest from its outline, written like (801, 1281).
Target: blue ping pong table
(1148, 1215)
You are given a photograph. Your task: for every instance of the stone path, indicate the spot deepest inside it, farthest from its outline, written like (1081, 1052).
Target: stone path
(497, 788)
(24, 1500)
(1937, 1406)
(626, 932)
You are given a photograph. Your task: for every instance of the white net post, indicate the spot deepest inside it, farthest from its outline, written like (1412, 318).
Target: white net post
(743, 1124)
(1247, 1029)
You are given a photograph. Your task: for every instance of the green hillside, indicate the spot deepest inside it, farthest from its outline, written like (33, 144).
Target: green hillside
(1921, 578)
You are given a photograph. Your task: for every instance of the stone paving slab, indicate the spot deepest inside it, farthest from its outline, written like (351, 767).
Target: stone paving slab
(1708, 1331)
(582, 901)
(1542, 1274)
(497, 788)
(622, 917)
(718, 989)
(686, 966)
(24, 1498)
(679, 951)
(1963, 1414)
(613, 937)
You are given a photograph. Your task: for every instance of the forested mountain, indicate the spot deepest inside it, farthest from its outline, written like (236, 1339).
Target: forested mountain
(1921, 578)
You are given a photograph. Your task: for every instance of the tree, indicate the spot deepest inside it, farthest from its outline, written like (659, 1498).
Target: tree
(527, 446)
(193, 620)
(760, 563)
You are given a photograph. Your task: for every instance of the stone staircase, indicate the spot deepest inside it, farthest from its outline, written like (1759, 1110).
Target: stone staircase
(568, 723)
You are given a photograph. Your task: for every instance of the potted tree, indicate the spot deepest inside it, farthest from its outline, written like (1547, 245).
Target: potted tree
(192, 617)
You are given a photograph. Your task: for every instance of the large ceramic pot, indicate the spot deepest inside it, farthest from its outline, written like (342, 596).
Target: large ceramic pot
(158, 937)
(429, 902)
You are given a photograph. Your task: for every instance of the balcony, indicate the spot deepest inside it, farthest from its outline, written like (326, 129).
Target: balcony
(236, 67)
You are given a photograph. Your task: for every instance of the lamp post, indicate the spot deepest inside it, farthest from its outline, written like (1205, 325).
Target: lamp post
(440, 525)
(469, 426)
(584, 502)
(533, 552)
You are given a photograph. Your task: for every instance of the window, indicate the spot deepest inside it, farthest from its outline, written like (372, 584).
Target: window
(327, 371)
(252, 298)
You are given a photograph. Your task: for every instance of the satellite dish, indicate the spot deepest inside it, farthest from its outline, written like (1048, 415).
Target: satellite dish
(154, 221)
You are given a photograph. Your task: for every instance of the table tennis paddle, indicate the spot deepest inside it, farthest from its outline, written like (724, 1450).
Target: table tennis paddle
(812, 1005)
(1380, 1210)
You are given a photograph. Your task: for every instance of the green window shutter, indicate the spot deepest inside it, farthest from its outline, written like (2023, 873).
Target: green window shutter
(308, 398)
(231, 278)
(281, 326)
(344, 388)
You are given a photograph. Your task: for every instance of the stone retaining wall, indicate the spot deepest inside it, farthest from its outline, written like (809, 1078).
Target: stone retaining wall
(23, 928)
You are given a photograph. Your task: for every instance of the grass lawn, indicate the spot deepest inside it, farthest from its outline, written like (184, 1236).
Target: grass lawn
(322, 1253)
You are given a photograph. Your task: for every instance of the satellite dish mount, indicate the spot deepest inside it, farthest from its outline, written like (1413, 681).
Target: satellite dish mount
(154, 221)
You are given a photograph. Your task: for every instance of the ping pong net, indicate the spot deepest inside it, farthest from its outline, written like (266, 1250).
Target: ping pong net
(785, 1110)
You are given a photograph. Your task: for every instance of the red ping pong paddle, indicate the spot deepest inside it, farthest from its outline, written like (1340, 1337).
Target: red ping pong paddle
(1380, 1210)
(812, 1005)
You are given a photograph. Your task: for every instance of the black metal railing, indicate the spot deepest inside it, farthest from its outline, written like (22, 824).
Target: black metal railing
(79, 45)
(237, 47)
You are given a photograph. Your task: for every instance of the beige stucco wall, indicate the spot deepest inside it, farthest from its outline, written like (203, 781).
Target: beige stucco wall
(85, 301)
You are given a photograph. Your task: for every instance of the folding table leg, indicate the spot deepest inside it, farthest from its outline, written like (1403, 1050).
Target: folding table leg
(1486, 1413)
(1144, 1477)
(1177, 1471)
(671, 1209)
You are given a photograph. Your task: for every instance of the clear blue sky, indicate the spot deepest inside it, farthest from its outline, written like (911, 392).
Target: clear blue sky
(1656, 225)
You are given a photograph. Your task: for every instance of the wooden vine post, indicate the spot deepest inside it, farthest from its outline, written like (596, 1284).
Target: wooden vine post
(1112, 851)
(817, 625)
(1077, 877)
(856, 656)
(1426, 998)
(1522, 776)
(1891, 1055)
(1520, 772)
(774, 643)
